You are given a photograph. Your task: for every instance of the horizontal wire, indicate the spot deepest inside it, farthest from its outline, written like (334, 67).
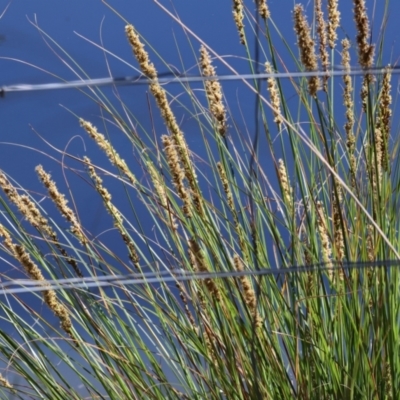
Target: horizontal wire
(182, 78)
(177, 275)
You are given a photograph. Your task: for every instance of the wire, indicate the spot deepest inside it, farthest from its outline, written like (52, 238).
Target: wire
(182, 78)
(176, 275)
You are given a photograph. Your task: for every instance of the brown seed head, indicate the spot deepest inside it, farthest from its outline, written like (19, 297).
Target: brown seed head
(274, 95)
(4, 382)
(337, 221)
(161, 191)
(201, 265)
(141, 55)
(33, 215)
(379, 156)
(104, 193)
(225, 184)
(306, 46)
(370, 243)
(365, 50)
(333, 22)
(384, 116)
(349, 105)
(213, 91)
(324, 236)
(238, 16)
(322, 36)
(61, 203)
(114, 212)
(249, 294)
(385, 102)
(263, 9)
(162, 102)
(26, 206)
(106, 146)
(285, 184)
(176, 133)
(49, 296)
(321, 31)
(177, 172)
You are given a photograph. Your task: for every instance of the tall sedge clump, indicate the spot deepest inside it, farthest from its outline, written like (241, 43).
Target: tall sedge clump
(33, 215)
(349, 105)
(365, 49)
(169, 118)
(113, 211)
(49, 296)
(384, 117)
(333, 22)
(238, 16)
(281, 331)
(274, 95)
(306, 47)
(213, 91)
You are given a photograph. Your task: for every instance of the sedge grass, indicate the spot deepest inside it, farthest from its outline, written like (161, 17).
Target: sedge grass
(331, 195)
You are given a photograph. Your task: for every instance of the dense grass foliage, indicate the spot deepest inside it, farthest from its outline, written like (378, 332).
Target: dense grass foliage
(316, 183)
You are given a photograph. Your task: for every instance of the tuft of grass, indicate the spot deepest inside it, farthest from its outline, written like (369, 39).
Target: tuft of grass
(319, 183)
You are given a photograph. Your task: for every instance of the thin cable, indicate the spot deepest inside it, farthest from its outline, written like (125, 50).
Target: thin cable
(142, 80)
(177, 275)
